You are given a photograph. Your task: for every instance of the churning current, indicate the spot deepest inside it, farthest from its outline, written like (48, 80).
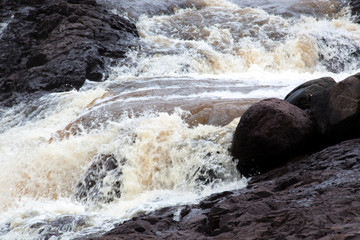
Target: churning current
(157, 132)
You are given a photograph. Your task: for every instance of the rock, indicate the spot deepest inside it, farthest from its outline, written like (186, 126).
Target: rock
(270, 132)
(102, 181)
(355, 9)
(52, 46)
(340, 55)
(301, 95)
(336, 110)
(313, 198)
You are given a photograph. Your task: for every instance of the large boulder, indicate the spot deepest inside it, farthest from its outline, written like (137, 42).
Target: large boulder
(55, 45)
(336, 110)
(270, 132)
(301, 95)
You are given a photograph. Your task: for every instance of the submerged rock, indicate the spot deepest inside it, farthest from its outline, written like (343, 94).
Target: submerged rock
(270, 132)
(52, 46)
(301, 95)
(355, 9)
(102, 181)
(313, 198)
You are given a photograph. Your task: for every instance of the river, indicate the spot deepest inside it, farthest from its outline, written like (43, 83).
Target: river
(165, 115)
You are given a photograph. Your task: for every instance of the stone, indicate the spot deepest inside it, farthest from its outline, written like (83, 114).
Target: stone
(301, 95)
(355, 9)
(336, 110)
(55, 45)
(268, 133)
(94, 188)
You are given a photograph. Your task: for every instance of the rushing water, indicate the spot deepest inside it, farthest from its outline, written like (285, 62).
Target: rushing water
(166, 114)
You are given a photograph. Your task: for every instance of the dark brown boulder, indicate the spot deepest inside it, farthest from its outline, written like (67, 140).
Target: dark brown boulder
(301, 95)
(55, 45)
(336, 110)
(268, 133)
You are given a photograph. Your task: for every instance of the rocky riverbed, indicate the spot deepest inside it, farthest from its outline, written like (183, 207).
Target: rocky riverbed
(303, 164)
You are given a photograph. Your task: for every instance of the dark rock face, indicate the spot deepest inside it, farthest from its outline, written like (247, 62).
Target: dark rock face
(269, 132)
(93, 187)
(301, 95)
(313, 198)
(54, 45)
(336, 110)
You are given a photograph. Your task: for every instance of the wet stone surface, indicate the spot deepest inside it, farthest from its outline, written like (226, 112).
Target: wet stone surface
(52, 46)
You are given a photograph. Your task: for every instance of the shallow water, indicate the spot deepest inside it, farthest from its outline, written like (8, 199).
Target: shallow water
(167, 112)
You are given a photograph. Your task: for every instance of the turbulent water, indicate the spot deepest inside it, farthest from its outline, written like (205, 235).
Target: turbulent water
(167, 112)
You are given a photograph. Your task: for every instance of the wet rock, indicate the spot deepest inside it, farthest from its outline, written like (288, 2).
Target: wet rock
(301, 95)
(336, 110)
(313, 198)
(52, 46)
(102, 181)
(59, 226)
(355, 9)
(270, 132)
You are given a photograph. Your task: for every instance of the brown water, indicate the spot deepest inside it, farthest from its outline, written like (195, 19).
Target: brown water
(169, 109)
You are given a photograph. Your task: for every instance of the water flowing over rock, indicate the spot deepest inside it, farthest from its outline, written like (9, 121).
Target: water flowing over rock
(102, 181)
(355, 9)
(313, 198)
(52, 46)
(268, 133)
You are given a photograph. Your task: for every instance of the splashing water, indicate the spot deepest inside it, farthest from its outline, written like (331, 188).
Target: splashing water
(165, 117)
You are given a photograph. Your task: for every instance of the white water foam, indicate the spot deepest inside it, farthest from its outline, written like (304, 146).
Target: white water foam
(217, 44)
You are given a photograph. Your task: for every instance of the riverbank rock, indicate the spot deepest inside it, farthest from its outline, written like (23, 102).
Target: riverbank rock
(55, 45)
(313, 198)
(270, 132)
(301, 95)
(336, 110)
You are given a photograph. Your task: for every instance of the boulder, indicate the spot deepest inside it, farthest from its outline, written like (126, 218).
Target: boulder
(101, 182)
(55, 45)
(269, 133)
(301, 95)
(336, 110)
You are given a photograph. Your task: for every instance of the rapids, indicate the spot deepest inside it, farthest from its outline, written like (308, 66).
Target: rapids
(169, 109)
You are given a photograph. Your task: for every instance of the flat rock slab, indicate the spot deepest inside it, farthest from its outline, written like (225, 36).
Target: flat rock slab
(316, 197)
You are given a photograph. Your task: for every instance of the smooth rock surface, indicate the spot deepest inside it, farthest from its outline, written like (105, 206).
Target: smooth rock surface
(268, 133)
(336, 110)
(316, 197)
(301, 95)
